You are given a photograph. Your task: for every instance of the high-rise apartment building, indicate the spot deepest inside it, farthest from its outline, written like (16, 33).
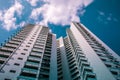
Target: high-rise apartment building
(82, 56)
(29, 55)
(34, 53)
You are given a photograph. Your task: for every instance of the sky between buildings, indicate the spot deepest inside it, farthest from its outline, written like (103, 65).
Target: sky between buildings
(100, 16)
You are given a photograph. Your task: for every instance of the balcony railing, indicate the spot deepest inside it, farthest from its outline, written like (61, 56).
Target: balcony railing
(27, 70)
(11, 45)
(34, 58)
(32, 64)
(89, 75)
(7, 49)
(2, 59)
(26, 78)
(3, 54)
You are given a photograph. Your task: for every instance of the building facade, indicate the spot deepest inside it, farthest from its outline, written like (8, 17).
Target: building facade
(29, 55)
(86, 57)
(34, 53)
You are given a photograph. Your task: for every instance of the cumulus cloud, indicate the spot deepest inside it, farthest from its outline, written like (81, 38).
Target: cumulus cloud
(8, 16)
(50, 11)
(32, 2)
(60, 11)
(87, 2)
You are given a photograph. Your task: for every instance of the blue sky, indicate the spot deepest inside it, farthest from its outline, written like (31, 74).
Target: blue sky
(100, 16)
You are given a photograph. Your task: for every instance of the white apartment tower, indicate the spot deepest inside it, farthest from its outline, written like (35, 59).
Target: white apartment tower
(29, 55)
(83, 56)
(34, 53)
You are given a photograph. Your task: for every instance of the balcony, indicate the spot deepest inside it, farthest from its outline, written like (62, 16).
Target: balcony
(75, 73)
(47, 53)
(95, 47)
(11, 45)
(32, 64)
(13, 42)
(46, 58)
(30, 71)
(17, 40)
(115, 71)
(71, 58)
(98, 50)
(45, 67)
(83, 59)
(100, 54)
(110, 56)
(89, 75)
(73, 69)
(69, 55)
(86, 69)
(108, 64)
(5, 49)
(36, 54)
(38, 45)
(36, 50)
(44, 73)
(60, 77)
(72, 65)
(4, 54)
(83, 64)
(20, 36)
(48, 48)
(72, 61)
(82, 55)
(103, 58)
(77, 77)
(46, 63)
(26, 78)
(34, 59)
(2, 60)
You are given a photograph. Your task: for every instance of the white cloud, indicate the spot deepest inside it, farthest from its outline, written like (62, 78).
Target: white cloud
(87, 2)
(1, 15)
(101, 13)
(32, 2)
(60, 11)
(109, 18)
(22, 24)
(106, 17)
(8, 16)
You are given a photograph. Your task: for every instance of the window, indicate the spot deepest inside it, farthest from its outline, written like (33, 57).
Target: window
(114, 72)
(31, 40)
(7, 79)
(12, 71)
(25, 49)
(20, 58)
(17, 64)
(27, 46)
(33, 36)
(29, 43)
(108, 65)
(23, 53)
